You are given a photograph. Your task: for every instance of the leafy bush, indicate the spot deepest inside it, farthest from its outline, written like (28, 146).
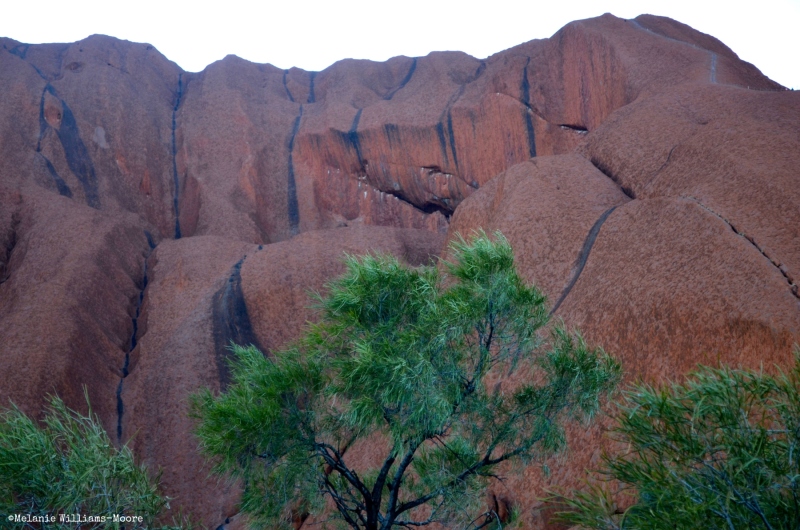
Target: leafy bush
(65, 471)
(720, 451)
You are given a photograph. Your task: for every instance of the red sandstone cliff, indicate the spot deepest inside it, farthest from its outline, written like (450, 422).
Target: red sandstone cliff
(645, 176)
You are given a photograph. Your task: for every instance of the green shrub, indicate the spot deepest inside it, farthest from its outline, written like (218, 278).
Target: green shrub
(65, 471)
(720, 451)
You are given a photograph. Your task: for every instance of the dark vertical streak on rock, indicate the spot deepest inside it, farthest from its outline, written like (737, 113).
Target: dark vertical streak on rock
(580, 263)
(150, 242)
(452, 137)
(311, 97)
(78, 159)
(292, 207)
(525, 89)
(133, 341)
(286, 87)
(448, 114)
(231, 322)
(392, 133)
(175, 180)
(404, 82)
(352, 137)
(11, 244)
(62, 187)
(478, 72)
(442, 141)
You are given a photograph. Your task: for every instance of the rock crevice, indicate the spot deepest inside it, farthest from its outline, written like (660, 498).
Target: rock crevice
(782, 269)
(175, 178)
(125, 369)
(583, 257)
(293, 208)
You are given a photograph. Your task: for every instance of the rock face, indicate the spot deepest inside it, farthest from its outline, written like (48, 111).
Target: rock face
(645, 176)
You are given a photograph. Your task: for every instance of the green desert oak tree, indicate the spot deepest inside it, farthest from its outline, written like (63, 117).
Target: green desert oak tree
(407, 359)
(65, 473)
(721, 451)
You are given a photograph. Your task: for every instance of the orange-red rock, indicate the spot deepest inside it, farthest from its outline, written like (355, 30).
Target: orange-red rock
(665, 226)
(203, 292)
(68, 294)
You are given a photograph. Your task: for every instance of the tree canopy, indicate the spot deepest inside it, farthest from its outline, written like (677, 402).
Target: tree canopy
(414, 357)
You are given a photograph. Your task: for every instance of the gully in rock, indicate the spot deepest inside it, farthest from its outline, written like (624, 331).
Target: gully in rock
(525, 89)
(132, 345)
(175, 180)
(292, 207)
(583, 257)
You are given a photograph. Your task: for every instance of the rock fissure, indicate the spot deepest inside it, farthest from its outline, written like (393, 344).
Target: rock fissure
(580, 129)
(577, 128)
(583, 257)
(175, 179)
(427, 208)
(125, 370)
(286, 87)
(793, 287)
(292, 207)
(525, 91)
(10, 245)
(669, 155)
(605, 171)
(311, 97)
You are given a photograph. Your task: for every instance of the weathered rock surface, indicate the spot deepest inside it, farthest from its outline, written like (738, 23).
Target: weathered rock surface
(276, 282)
(659, 277)
(732, 150)
(204, 292)
(149, 216)
(175, 356)
(90, 121)
(67, 298)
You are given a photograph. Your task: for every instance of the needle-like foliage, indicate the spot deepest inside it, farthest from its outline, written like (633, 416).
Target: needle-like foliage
(402, 355)
(66, 474)
(721, 451)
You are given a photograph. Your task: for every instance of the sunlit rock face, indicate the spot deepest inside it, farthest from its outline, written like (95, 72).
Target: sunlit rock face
(645, 176)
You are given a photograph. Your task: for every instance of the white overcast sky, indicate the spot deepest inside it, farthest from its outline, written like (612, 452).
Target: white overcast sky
(313, 34)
